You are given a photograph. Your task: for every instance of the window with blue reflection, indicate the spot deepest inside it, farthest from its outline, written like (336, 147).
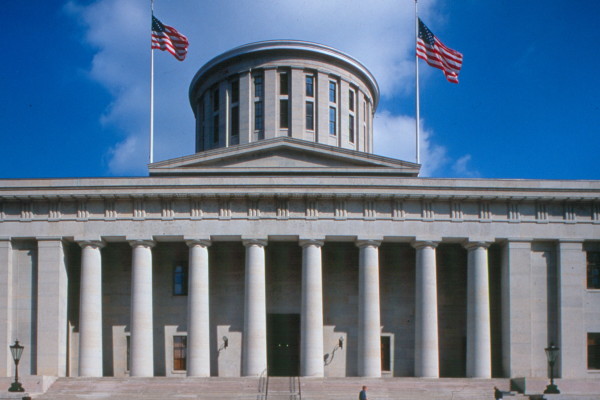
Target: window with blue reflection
(180, 280)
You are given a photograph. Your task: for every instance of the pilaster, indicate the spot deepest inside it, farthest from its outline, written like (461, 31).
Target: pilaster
(572, 361)
(298, 103)
(52, 307)
(516, 308)
(6, 306)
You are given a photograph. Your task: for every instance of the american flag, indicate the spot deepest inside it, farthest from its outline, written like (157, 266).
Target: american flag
(430, 49)
(167, 38)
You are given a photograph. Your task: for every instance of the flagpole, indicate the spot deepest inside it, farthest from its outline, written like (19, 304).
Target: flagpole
(418, 111)
(151, 92)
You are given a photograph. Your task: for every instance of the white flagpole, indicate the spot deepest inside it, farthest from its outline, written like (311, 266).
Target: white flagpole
(151, 91)
(418, 117)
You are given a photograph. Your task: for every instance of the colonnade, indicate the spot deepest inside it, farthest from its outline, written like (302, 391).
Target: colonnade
(254, 356)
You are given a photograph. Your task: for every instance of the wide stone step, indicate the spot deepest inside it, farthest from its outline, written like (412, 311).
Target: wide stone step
(279, 388)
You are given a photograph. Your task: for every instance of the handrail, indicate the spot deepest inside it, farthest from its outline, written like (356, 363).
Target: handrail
(263, 386)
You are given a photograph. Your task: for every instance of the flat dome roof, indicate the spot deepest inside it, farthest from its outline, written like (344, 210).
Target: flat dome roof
(295, 45)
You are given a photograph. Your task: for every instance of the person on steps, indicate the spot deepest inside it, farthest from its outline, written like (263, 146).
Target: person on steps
(363, 394)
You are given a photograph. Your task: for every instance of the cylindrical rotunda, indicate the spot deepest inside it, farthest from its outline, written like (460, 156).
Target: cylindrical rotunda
(289, 88)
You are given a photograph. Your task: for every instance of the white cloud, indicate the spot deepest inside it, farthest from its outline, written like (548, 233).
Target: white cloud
(125, 156)
(461, 168)
(395, 137)
(379, 34)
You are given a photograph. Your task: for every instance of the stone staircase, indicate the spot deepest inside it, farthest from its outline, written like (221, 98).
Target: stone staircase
(283, 388)
(276, 388)
(157, 388)
(405, 389)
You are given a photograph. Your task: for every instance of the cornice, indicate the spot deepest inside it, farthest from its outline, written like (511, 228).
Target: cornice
(298, 46)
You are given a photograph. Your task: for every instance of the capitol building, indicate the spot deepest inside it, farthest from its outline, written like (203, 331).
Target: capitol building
(284, 246)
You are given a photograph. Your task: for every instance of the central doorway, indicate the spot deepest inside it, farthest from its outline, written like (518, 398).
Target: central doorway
(283, 344)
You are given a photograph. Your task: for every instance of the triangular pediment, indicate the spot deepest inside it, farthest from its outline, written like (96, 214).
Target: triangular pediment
(282, 155)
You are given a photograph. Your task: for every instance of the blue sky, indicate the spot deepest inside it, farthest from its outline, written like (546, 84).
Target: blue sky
(74, 83)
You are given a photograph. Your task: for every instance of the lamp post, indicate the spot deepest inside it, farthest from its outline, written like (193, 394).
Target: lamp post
(552, 355)
(16, 350)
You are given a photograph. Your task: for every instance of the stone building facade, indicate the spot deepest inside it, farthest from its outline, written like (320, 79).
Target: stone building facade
(285, 246)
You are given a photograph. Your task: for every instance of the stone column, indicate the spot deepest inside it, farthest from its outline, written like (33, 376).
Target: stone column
(311, 349)
(198, 341)
(90, 310)
(52, 307)
(142, 337)
(369, 323)
(254, 360)
(426, 318)
(479, 344)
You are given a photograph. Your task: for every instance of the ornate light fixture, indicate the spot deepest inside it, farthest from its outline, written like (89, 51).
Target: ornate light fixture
(16, 350)
(552, 355)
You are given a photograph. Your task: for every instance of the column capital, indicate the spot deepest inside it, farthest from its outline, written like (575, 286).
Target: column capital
(91, 243)
(475, 244)
(142, 243)
(360, 243)
(571, 242)
(311, 242)
(43, 239)
(257, 242)
(198, 242)
(419, 244)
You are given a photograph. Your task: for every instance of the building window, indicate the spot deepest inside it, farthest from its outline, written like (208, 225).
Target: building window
(386, 353)
(258, 116)
(235, 121)
(258, 106)
(216, 128)
(351, 129)
(332, 92)
(310, 115)
(235, 91)
(180, 280)
(310, 86)
(593, 269)
(215, 99)
(258, 86)
(201, 126)
(179, 353)
(284, 114)
(284, 82)
(235, 109)
(351, 100)
(332, 121)
(593, 348)
(128, 350)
